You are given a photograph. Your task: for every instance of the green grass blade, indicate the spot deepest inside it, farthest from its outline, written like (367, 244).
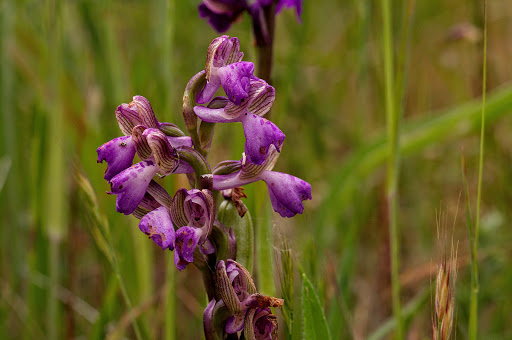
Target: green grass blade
(315, 323)
(473, 311)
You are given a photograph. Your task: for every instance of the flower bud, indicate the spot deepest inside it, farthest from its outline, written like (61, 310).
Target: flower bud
(171, 130)
(243, 230)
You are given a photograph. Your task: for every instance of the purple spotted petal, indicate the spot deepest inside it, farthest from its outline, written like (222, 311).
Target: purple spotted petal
(118, 153)
(260, 133)
(131, 184)
(236, 80)
(158, 226)
(286, 192)
(290, 3)
(187, 239)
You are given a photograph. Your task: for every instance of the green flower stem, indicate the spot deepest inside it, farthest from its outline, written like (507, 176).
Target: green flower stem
(473, 309)
(264, 48)
(195, 84)
(198, 163)
(392, 120)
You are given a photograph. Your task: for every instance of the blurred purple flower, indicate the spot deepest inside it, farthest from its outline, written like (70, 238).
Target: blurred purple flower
(222, 13)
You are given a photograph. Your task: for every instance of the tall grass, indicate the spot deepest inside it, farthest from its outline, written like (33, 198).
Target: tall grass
(393, 168)
(473, 312)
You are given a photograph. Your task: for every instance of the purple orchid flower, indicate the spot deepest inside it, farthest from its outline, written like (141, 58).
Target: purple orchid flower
(286, 191)
(193, 212)
(120, 151)
(260, 324)
(225, 68)
(158, 226)
(222, 13)
(237, 290)
(259, 132)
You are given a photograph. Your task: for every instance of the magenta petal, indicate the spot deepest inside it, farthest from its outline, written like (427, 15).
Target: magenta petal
(187, 239)
(131, 184)
(209, 90)
(118, 153)
(236, 80)
(286, 192)
(177, 142)
(260, 133)
(214, 115)
(183, 168)
(235, 323)
(157, 224)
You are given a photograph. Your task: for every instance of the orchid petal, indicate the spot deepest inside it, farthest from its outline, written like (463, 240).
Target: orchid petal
(118, 153)
(131, 184)
(286, 192)
(157, 224)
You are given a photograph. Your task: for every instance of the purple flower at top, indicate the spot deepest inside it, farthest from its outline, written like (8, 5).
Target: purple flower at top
(193, 212)
(286, 191)
(259, 132)
(222, 13)
(225, 68)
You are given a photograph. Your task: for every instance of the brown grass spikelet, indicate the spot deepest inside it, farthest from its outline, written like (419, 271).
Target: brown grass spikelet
(444, 300)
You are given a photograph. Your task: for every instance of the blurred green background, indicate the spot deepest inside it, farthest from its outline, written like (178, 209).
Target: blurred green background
(67, 65)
